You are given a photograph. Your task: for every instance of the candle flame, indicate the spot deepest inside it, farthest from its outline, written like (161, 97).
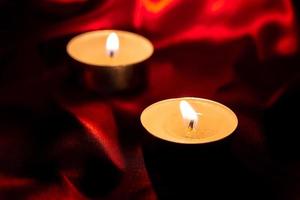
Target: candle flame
(112, 44)
(189, 115)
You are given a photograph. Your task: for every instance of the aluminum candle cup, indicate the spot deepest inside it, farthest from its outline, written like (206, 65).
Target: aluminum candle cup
(111, 61)
(187, 152)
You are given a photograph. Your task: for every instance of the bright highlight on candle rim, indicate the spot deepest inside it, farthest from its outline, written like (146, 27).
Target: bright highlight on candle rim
(112, 43)
(188, 112)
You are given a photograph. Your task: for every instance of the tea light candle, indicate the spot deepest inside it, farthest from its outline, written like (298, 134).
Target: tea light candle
(111, 60)
(189, 120)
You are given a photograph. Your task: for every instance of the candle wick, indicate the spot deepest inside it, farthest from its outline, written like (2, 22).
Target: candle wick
(191, 125)
(111, 54)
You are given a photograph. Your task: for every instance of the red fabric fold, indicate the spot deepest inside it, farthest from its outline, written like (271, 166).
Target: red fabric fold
(99, 122)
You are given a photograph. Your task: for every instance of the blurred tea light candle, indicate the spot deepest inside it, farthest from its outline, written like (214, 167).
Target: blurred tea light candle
(189, 120)
(112, 60)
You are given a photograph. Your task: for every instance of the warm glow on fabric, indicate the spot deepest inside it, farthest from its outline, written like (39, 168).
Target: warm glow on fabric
(155, 6)
(218, 21)
(217, 5)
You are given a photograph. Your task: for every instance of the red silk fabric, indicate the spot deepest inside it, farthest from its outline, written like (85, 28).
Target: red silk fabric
(168, 22)
(217, 49)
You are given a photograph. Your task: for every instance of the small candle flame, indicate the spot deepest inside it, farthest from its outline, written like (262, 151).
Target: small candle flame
(189, 115)
(112, 44)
